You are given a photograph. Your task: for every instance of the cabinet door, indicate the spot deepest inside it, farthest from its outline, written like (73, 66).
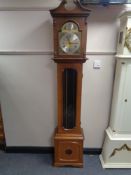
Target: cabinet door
(125, 120)
(121, 104)
(116, 109)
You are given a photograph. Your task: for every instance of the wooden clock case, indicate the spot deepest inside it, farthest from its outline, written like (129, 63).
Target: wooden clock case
(69, 142)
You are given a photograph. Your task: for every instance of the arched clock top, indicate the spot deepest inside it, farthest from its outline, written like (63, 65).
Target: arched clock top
(70, 25)
(70, 22)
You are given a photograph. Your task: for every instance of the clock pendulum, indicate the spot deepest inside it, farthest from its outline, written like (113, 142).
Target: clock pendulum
(70, 33)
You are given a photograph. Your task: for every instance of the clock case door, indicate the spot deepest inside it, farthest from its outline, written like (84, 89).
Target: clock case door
(70, 39)
(69, 97)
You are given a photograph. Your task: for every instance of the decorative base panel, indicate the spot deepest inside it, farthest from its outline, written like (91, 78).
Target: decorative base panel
(116, 151)
(114, 165)
(68, 149)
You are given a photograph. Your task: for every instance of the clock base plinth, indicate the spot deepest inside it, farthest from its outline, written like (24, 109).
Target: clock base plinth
(60, 164)
(116, 151)
(68, 149)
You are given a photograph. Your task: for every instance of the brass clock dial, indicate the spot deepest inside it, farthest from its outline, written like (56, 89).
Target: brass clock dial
(69, 43)
(70, 26)
(69, 39)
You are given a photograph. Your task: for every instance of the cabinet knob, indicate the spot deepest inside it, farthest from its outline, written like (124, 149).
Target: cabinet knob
(122, 62)
(125, 100)
(68, 151)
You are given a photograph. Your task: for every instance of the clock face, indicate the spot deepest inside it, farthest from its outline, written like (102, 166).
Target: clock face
(128, 39)
(69, 39)
(70, 43)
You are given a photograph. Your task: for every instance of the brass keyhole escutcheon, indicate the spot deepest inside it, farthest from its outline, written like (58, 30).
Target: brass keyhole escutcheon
(68, 151)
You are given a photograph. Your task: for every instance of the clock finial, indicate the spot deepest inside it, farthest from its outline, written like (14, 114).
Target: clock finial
(70, 4)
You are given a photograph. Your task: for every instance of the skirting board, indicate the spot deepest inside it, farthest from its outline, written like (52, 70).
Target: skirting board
(114, 165)
(45, 150)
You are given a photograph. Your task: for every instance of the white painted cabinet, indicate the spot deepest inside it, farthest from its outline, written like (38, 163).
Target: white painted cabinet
(116, 152)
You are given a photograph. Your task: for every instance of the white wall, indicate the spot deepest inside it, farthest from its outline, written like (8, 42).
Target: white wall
(28, 76)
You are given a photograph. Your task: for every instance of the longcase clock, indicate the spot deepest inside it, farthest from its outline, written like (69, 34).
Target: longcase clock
(70, 33)
(116, 151)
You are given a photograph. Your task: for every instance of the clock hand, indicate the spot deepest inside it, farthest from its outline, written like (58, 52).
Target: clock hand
(74, 43)
(68, 38)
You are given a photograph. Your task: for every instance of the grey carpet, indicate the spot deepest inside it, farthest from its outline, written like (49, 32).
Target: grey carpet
(41, 164)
